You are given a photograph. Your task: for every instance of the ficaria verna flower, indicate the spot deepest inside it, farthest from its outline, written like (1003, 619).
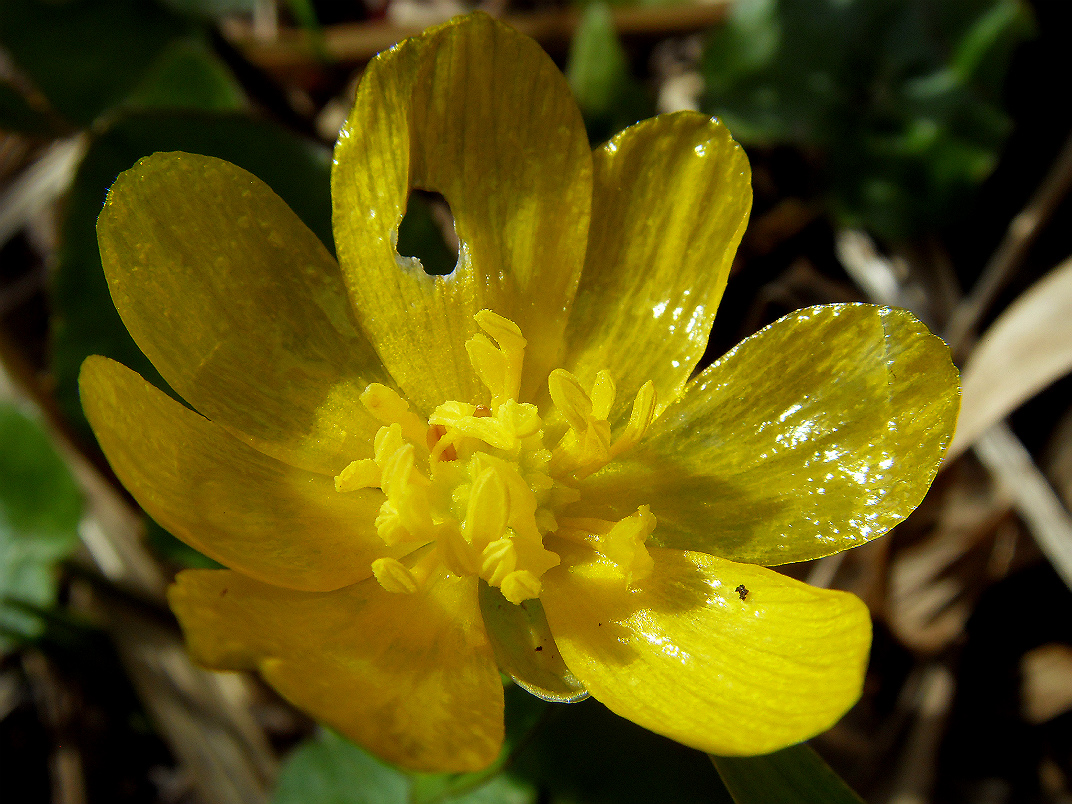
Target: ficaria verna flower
(417, 481)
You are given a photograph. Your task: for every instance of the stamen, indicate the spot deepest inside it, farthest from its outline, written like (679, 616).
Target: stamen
(459, 416)
(361, 474)
(602, 395)
(512, 344)
(519, 586)
(387, 442)
(499, 560)
(492, 490)
(457, 554)
(639, 420)
(394, 576)
(487, 511)
(489, 364)
(389, 525)
(570, 399)
(388, 407)
(624, 545)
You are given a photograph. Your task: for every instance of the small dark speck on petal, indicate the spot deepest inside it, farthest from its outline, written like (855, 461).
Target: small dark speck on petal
(223, 591)
(539, 648)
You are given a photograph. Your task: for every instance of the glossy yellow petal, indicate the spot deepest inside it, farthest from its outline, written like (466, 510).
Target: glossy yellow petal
(728, 658)
(816, 434)
(671, 200)
(275, 522)
(409, 676)
(479, 113)
(525, 649)
(240, 307)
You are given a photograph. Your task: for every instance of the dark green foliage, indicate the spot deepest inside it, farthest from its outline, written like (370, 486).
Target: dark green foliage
(902, 98)
(39, 511)
(794, 775)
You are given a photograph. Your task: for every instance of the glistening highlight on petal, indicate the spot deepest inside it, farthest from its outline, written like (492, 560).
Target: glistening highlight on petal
(479, 113)
(506, 465)
(818, 433)
(728, 658)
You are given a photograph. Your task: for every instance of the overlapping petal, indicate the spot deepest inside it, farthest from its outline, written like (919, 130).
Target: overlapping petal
(671, 200)
(729, 658)
(479, 113)
(410, 676)
(818, 433)
(240, 307)
(272, 521)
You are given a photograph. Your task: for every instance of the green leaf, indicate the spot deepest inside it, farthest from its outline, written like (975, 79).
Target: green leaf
(85, 321)
(597, 65)
(86, 55)
(586, 755)
(794, 775)
(598, 73)
(40, 507)
(329, 769)
(187, 75)
(903, 96)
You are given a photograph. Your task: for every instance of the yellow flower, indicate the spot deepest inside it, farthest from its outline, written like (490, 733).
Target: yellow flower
(416, 481)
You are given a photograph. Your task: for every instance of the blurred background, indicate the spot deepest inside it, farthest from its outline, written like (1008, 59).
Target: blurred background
(906, 152)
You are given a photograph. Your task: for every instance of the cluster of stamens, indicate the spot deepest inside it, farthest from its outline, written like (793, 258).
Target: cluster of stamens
(474, 491)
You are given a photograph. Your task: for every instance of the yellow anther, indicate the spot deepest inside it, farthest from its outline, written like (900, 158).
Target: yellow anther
(361, 474)
(570, 399)
(595, 448)
(523, 418)
(461, 417)
(394, 576)
(415, 513)
(519, 494)
(389, 525)
(498, 560)
(519, 586)
(388, 407)
(512, 345)
(602, 395)
(505, 332)
(624, 545)
(492, 490)
(489, 363)
(398, 471)
(457, 554)
(639, 419)
(387, 442)
(488, 509)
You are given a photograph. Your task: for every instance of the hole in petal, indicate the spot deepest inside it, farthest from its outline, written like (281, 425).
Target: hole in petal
(427, 232)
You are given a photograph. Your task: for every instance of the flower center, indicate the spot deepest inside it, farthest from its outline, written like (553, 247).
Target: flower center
(474, 489)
